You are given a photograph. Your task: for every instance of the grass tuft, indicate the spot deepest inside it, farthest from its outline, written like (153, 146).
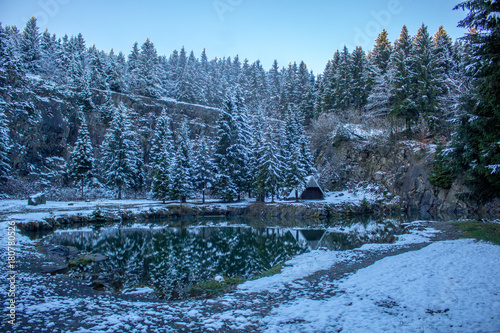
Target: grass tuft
(489, 232)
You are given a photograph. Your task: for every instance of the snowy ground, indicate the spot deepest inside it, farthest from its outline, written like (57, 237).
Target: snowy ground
(20, 211)
(413, 285)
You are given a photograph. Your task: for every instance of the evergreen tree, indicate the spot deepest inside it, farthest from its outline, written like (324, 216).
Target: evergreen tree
(343, 81)
(296, 165)
(477, 145)
(381, 93)
(134, 70)
(403, 102)
(224, 184)
(269, 171)
(182, 170)
(149, 82)
(442, 174)
(359, 79)
(48, 48)
(162, 153)
(203, 167)
(428, 79)
(30, 46)
(82, 160)
(4, 147)
(121, 155)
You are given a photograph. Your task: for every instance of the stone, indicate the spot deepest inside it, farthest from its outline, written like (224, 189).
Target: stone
(55, 269)
(37, 199)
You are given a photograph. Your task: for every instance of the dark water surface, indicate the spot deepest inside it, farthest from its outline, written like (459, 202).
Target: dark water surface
(172, 256)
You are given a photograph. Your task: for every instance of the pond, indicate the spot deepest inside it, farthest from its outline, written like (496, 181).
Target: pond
(173, 258)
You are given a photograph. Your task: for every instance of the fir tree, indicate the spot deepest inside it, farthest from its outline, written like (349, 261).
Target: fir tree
(182, 169)
(442, 174)
(428, 79)
(149, 83)
(269, 170)
(224, 184)
(203, 167)
(121, 155)
(30, 46)
(82, 160)
(359, 79)
(162, 153)
(295, 167)
(403, 103)
(477, 147)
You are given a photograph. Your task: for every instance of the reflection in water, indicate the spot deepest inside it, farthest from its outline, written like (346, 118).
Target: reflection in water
(171, 259)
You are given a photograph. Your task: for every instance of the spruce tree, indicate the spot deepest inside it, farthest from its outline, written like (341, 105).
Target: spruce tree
(82, 159)
(182, 168)
(269, 170)
(148, 80)
(203, 167)
(121, 163)
(403, 103)
(162, 153)
(428, 79)
(224, 183)
(30, 46)
(477, 147)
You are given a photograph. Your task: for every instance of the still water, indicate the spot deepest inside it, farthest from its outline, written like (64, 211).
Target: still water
(171, 257)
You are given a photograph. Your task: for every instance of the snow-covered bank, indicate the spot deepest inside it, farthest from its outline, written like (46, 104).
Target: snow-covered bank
(450, 286)
(446, 286)
(55, 213)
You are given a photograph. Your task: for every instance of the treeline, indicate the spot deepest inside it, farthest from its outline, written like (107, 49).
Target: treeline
(67, 61)
(417, 80)
(251, 154)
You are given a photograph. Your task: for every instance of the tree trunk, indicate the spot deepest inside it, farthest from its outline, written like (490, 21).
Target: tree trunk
(119, 192)
(203, 198)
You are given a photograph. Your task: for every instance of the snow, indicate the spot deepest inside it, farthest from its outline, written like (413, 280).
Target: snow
(446, 286)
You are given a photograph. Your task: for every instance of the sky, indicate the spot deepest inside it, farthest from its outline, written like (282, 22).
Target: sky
(285, 30)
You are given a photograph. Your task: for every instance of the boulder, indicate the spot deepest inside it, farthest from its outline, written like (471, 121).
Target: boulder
(37, 199)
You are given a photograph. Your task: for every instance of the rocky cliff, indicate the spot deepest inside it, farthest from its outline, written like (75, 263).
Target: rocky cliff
(401, 167)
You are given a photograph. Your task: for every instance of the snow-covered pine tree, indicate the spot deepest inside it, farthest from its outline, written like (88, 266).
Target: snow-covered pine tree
(477, 147)
(30, 46)
(97, 69)
(325, 100)
(149, 81)
(115, 72)
(82, 158)
(381, 93)
(224, 184)
(121, 162)
(403, 103)
(428, 79)
(295, 169)
(182, 168)
(203, 166)
(343, 81)
(269, 170)
(240, 151)
(359, 79)
(162, 153)
(133, 70)
(443, 51)
(187, 89)
(4, 147)
(48, 48)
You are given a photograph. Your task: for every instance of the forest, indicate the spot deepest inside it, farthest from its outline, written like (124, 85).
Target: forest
(425, 87)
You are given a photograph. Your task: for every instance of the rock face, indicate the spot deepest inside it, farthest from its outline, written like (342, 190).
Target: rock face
(402, 167)
(37, 199)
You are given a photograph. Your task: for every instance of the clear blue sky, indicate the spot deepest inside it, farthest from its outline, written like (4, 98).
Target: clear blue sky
(286, 30)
